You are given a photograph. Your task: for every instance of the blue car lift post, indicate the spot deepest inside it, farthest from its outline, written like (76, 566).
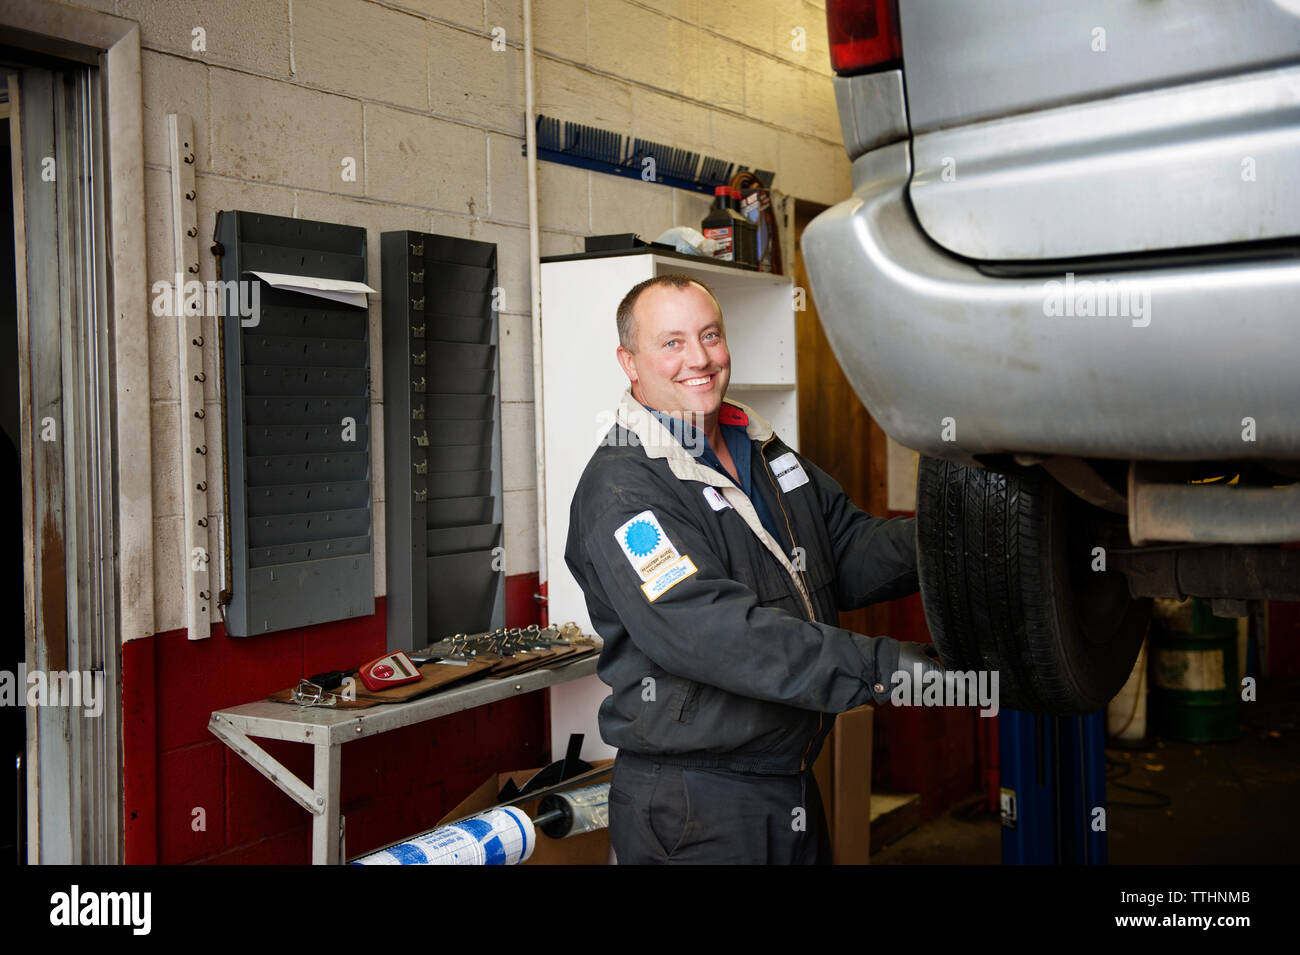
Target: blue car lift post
(1053, 782)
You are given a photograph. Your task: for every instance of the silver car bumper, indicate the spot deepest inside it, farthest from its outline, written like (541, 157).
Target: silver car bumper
(1172, 364)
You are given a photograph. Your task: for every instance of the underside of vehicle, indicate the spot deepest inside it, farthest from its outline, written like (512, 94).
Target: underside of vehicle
(1035, 569)
(1067, 278)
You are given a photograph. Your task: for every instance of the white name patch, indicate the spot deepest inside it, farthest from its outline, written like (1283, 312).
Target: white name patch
(789, 472)
(715, 499)
(645, 545)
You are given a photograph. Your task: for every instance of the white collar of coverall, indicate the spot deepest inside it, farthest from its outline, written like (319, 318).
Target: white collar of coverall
(658, 442)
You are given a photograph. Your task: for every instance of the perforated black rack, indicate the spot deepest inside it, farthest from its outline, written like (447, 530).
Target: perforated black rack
(297, 413)
(442, 438)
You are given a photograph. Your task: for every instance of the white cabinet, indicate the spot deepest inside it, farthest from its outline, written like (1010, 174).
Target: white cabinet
(582, 385)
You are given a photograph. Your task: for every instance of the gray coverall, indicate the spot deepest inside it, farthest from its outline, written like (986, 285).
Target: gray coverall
(722, 647)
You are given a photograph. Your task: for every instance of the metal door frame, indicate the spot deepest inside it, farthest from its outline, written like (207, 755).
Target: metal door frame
(84, 370)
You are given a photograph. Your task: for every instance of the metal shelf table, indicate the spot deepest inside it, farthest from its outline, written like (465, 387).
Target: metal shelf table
(326, 730)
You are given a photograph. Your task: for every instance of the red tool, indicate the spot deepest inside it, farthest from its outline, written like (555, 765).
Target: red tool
(392, 669)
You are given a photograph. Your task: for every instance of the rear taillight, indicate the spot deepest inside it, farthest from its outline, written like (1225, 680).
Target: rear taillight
(863, 35)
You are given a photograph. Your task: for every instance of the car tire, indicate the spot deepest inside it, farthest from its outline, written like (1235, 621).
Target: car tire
(1007, 580)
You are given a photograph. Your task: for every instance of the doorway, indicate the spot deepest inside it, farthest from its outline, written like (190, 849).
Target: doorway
(72, 82)
(13, 716)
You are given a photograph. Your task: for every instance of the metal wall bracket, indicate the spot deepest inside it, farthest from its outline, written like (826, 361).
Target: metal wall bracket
(321, 799)
(190, 339)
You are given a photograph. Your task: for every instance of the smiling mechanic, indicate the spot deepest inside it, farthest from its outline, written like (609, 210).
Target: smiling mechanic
(715, 561)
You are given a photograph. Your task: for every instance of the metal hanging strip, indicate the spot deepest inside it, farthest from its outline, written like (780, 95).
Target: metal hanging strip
(190, 337)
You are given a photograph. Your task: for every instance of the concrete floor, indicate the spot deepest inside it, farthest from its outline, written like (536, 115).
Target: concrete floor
(1227, 802)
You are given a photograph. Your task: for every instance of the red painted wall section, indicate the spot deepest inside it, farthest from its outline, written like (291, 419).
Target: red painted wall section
(139, 752)
(189, 798)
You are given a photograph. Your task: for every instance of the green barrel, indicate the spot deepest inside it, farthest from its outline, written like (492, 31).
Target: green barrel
(1194, 685)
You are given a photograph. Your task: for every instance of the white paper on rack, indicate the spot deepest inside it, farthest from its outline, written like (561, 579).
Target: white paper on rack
(336, 290)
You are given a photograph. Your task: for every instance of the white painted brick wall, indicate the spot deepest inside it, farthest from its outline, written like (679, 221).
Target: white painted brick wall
(507, 168)
(563, 194)
(249, 35)
(364, 50)
(413, 91)
(616, 201)
(172, 84)
(431, 163)
(669, 120)
(474, 83)
(509, 16)
(465, 13)
(574, 93)
(264, 130)
(515, 336)
(519, 512)
(787, 15)
(639, 45)
(718, 73)
(562, 30)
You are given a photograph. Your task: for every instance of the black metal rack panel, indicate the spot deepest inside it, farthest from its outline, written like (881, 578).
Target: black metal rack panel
(442, 438)
(297, 410)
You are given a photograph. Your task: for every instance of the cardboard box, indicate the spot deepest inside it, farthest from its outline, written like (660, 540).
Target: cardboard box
(843, 771)
(589, 848)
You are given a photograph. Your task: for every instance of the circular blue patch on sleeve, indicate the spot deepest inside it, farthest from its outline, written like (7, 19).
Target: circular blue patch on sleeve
(641, 538)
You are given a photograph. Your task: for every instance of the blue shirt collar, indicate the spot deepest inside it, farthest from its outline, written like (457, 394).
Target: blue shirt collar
(696, 443)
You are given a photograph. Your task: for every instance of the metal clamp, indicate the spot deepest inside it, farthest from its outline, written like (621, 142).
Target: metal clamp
(307, 693)
(503, 642)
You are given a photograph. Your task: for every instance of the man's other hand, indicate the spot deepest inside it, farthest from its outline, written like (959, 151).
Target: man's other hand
(894, 657)
(910, 654)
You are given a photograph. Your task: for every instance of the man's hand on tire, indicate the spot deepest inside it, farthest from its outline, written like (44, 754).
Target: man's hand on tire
(900, 656)
(910, 654)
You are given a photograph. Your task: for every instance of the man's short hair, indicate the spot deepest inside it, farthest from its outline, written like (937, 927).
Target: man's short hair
(627, 322)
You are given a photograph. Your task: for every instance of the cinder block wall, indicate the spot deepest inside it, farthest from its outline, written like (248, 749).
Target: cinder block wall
(286, 95)
(433, 120)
